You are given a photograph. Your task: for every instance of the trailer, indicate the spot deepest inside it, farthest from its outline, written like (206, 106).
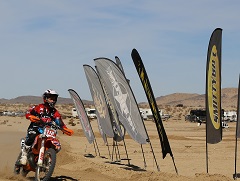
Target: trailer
(91, 113)
(230, 116)
(74, 113)
(147, 114)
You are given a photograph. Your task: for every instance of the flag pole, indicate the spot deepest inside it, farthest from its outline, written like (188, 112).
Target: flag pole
(144, 160)
(108, 148)
(118, 153)
(235, 175)
(206, 154)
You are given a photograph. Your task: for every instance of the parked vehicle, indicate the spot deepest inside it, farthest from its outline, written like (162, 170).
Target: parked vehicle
(197, 115)
(91, 113)
(230, 116)
(147, 114)
(225, 124)
(74, 113)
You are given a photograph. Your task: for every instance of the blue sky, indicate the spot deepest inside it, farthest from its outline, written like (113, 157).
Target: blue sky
(44, 44)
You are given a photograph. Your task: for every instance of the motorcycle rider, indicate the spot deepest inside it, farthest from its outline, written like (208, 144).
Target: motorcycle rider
(40, 114)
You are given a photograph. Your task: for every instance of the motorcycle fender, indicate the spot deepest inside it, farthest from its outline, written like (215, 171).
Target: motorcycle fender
(56, 144)
(28, 167)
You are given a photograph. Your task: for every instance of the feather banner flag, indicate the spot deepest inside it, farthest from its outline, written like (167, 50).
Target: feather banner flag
(213, 88)
(86, 126)
(152, 102)
(122, 97)
(98, 96)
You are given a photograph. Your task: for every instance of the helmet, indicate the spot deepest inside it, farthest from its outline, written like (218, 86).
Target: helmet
(50, 93)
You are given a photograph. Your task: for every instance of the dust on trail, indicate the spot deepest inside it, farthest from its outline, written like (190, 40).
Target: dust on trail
(7, 174)
(10, 148)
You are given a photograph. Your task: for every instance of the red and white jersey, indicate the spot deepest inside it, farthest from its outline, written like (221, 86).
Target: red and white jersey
(46, 114)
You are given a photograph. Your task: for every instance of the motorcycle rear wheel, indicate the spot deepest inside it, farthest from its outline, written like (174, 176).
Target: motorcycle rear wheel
(44, 173)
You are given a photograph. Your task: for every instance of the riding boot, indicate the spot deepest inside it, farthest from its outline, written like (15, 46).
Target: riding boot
(23, 158)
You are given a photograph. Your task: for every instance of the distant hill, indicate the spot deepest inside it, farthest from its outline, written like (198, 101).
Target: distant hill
(175, 98)
(37, 100)
(229, 99)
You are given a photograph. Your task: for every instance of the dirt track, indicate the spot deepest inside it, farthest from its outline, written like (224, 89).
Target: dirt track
(187, 141)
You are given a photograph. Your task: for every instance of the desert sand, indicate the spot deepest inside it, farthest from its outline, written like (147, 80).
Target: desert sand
(187, 141)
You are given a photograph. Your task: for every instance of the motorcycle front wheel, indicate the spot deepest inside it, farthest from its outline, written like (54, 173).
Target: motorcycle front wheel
(44, 172)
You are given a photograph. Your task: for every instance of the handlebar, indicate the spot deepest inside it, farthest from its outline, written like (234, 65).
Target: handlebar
(43, 122)
(52, 124)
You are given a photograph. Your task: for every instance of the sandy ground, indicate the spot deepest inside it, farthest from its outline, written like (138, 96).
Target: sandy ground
(187, 141)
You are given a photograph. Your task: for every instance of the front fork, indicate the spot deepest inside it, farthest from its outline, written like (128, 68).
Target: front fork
(41, 153)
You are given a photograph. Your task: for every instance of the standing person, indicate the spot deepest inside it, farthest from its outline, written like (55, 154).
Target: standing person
(40, 114)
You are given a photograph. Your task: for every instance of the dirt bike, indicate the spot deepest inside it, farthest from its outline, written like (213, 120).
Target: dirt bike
(41, 157)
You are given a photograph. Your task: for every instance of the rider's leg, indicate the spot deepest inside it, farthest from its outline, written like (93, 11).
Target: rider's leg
(23, 159)
(27, 145)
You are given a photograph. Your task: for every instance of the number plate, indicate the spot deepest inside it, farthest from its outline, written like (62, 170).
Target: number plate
(50, 132)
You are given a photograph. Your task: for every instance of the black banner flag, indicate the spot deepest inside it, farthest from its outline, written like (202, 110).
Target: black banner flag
(213, 88)
(152, 102)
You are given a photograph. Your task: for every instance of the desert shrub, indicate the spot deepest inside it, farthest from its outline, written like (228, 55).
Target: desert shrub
(4, 122)
(71, 122)
(179, 116)
(168, 108)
